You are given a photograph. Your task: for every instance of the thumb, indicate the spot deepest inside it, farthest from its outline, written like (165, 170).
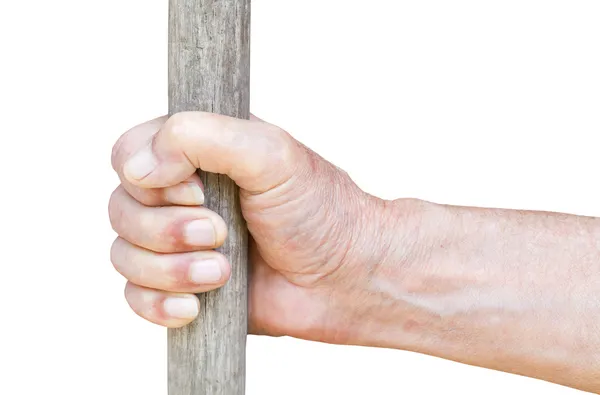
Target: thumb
(256, 155)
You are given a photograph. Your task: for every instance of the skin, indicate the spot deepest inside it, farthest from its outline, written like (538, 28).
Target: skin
(515, 291)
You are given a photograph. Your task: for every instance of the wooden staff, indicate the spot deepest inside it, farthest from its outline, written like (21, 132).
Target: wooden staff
(209, 70)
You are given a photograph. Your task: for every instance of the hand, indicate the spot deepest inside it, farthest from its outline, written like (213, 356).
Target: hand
(312, 229)
(507, 290)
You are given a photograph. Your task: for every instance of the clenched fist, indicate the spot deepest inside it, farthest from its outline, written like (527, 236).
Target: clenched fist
(312, 229)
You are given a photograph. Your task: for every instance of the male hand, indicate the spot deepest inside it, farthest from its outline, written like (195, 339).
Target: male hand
(315, 236)
(503, 289)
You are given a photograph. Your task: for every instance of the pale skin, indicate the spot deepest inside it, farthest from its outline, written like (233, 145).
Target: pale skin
(516, 291)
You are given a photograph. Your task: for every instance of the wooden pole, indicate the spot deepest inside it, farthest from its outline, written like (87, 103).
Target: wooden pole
(209, 70)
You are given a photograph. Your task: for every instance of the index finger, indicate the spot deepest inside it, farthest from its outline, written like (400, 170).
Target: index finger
(187, 193)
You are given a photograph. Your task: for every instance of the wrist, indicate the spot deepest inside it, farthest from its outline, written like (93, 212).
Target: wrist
(390, 242)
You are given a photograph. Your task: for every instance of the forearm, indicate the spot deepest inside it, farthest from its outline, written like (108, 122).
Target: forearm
(509, 290)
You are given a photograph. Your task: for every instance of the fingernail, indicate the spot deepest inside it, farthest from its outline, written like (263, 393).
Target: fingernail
(188, 194)
(200, 233)
(206, 272)
(197, 194)
(181, 307)
(141, 164)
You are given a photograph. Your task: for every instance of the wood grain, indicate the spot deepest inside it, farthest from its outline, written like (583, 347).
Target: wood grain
(209, 70)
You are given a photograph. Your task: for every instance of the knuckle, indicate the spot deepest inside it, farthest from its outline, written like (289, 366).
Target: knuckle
(151, 233)
(114, 253)
(148, 198)
(183, 123)
(179, 124)
(279, 149)
(284, 148)
(116, 151)
(119, 255)
(128, 292)
(147, 222)
(135, 298)
(121, 149)
(176, 122)
(115, 212)
(183, 131)
(131, 140)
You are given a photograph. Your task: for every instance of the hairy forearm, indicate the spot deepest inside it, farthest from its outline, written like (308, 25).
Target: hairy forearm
(510, 290)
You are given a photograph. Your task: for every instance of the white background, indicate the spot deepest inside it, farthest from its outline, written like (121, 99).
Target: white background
(488, 103)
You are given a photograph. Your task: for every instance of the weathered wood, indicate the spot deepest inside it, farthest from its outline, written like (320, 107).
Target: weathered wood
(209, 59)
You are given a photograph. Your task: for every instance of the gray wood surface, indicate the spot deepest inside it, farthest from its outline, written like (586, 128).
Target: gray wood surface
(209, 70)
